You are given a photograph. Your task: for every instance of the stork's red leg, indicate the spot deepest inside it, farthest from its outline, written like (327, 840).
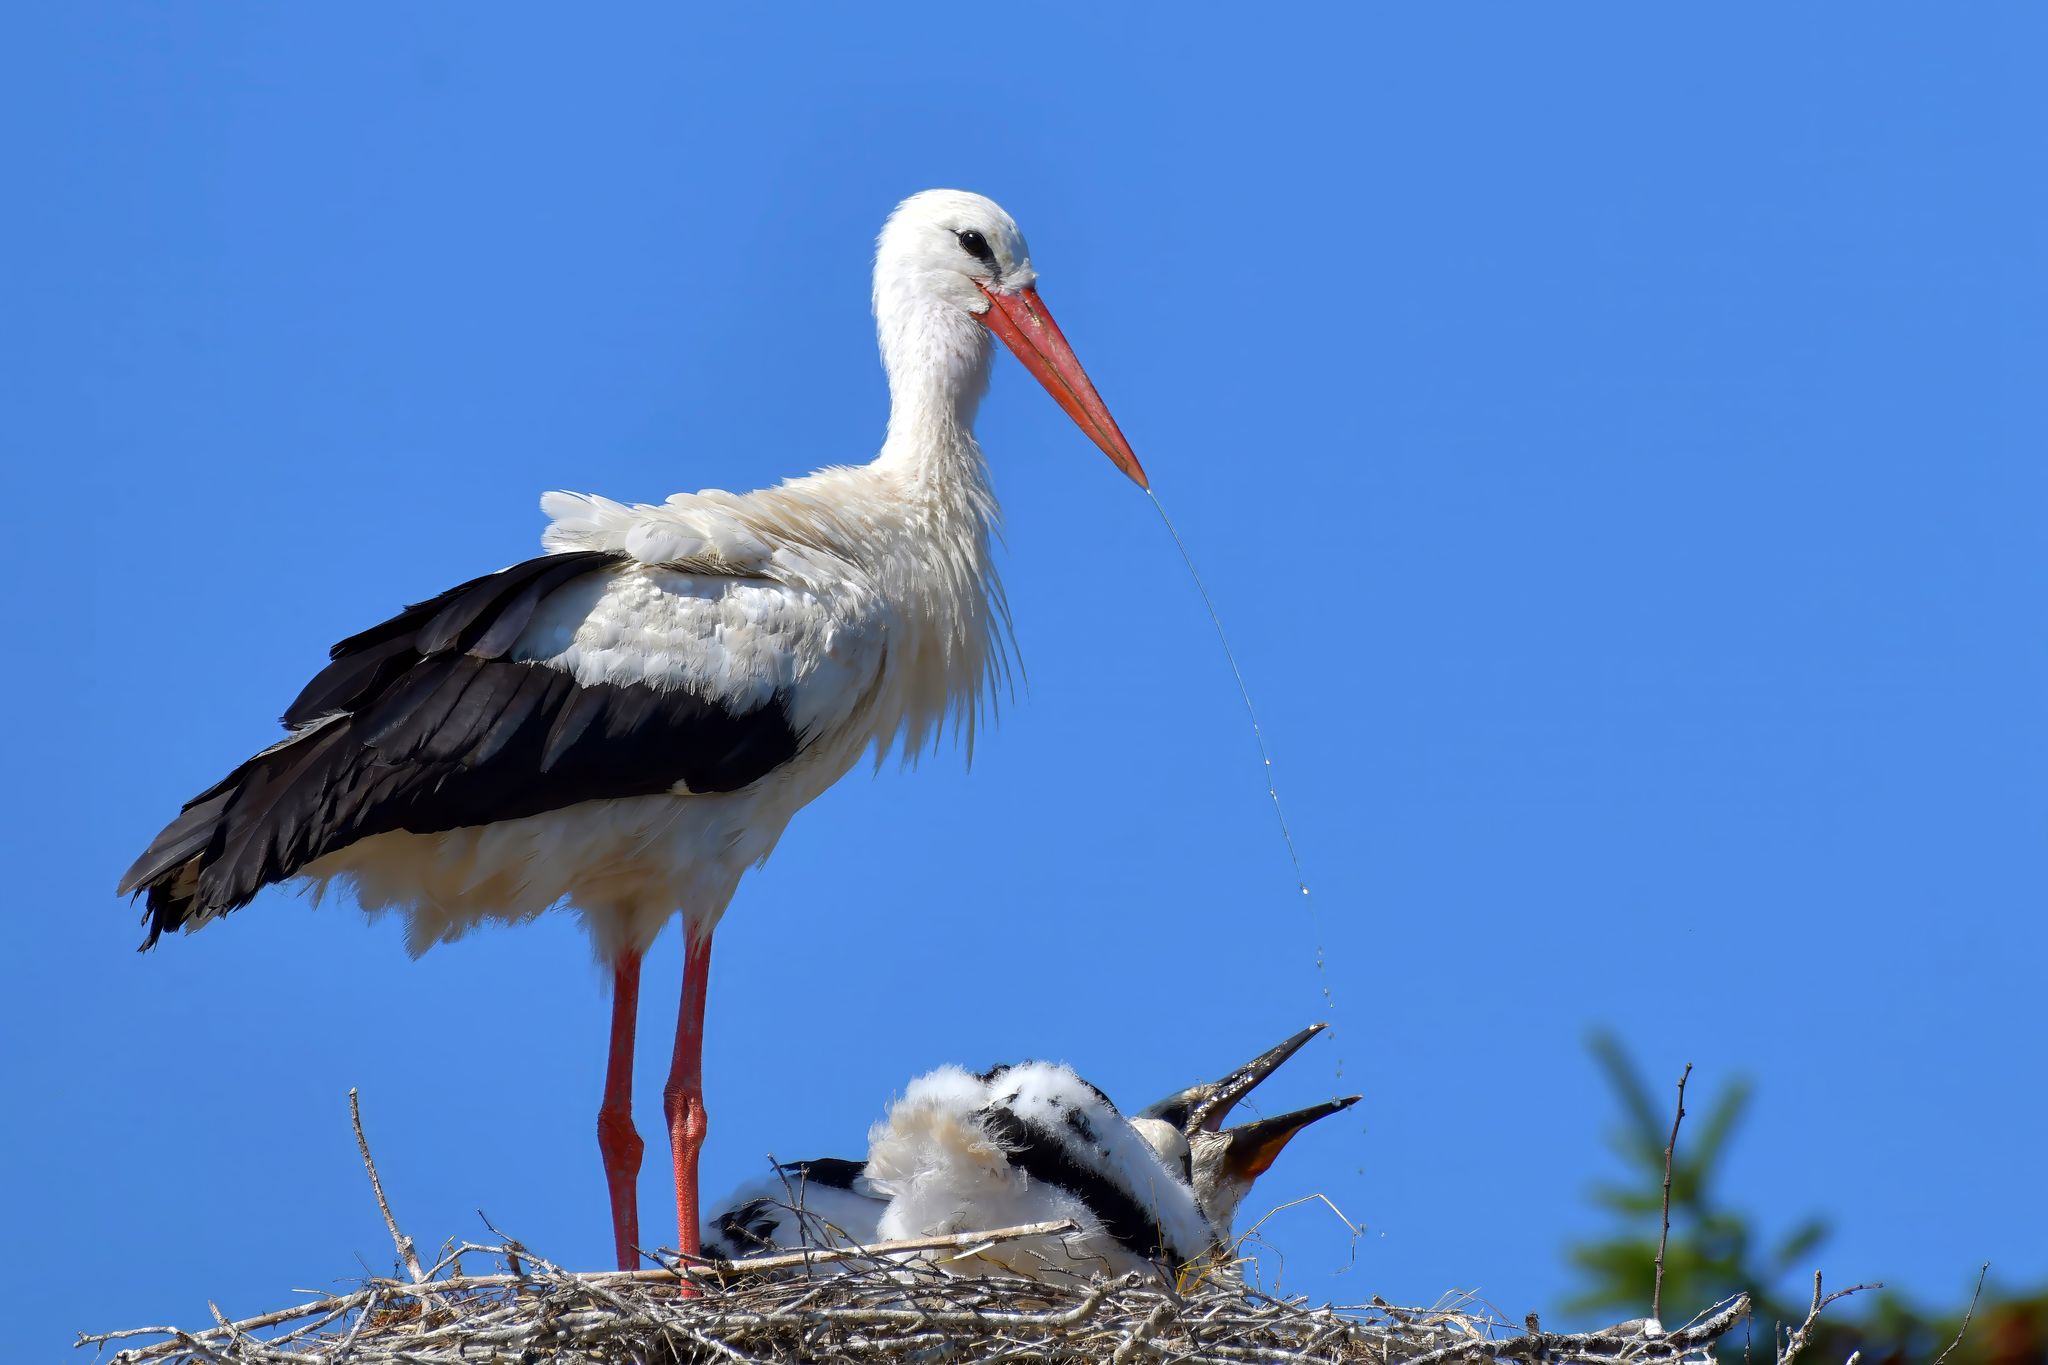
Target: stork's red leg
(616, 1137)
(683, 1100)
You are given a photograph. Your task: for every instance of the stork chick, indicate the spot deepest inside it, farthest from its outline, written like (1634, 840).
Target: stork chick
(1223, 1162)
(961, 1153)
(1027, 1144)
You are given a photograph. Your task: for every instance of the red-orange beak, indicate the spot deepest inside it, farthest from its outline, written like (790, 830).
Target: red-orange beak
(1025, 325)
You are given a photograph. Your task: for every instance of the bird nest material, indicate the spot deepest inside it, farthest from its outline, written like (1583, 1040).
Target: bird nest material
(864, 1305)
(876, 1305)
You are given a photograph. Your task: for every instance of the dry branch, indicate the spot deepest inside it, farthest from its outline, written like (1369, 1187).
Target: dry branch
(1795, 1341)
(1968, 1313)
(406, 1251)
(964, 1242)
(1664, 1233)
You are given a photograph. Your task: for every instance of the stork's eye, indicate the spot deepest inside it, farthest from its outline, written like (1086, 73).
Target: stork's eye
(976, 245)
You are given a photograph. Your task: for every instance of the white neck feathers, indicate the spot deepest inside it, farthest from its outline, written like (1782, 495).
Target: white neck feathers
(937, 358)
(942, 576)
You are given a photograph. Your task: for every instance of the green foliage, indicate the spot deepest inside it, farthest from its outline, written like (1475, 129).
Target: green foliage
(1716, 1250)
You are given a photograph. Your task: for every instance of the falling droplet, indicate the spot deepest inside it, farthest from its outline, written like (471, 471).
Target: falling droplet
(1265, 757)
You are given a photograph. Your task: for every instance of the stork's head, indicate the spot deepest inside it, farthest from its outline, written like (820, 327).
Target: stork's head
(1223, 1162)
(952, 245)
(959, 252)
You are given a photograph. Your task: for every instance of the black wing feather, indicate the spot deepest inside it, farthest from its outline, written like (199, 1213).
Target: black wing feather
(521, 709)
(367, 661)
(568, 724)
(504, 631)
(421, 724)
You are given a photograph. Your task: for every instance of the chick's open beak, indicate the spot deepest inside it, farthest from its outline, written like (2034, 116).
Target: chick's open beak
(1254, 1146)
(1214, 1100)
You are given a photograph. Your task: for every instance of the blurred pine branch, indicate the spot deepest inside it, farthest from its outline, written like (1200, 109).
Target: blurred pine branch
(1716, 1250)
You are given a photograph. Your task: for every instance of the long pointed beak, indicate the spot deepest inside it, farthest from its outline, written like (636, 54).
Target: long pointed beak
(1205, 1106)
(1254, 1146)
(1025, 325)
(1222, 1095)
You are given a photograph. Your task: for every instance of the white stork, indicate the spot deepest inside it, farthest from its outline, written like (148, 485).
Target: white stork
(964, 1153)
(626, 724)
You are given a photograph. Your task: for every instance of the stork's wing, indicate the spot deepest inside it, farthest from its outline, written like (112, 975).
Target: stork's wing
(572, 677)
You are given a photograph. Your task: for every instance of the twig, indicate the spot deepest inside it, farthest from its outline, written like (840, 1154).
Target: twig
(261, 1320)
(1603, 1345)
(1664, 1236)
(1968, 1313)
(1086, 1307)
(1140, 1338)
(1796, 1341)
(398, 1239)
(753, 1265)
(355, 1328)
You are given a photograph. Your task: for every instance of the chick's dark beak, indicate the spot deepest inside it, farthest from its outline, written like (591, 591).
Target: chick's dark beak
(1210, 1103)
(1253, 1147)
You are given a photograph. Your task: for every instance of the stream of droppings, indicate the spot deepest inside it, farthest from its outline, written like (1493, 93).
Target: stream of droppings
(1266, 759)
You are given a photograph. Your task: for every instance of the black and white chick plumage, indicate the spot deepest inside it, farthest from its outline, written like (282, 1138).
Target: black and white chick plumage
(962, 1152)
(1031, 1143)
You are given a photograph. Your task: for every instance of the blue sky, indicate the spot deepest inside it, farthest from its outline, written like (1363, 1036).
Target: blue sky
(1613, 437)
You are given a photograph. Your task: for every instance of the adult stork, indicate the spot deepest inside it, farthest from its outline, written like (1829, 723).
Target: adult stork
(627, 723)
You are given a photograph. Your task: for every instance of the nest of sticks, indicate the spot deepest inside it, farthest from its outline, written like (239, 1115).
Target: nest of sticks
(866, 1305)
(873, 1306)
